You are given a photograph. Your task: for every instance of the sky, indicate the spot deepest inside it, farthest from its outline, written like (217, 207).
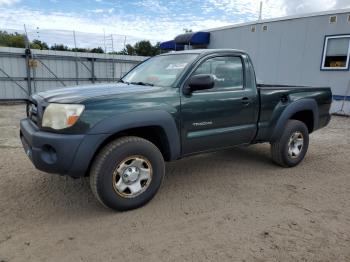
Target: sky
(129, 21)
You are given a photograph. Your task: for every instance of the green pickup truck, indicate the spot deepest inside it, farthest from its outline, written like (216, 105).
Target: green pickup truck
(168, 107)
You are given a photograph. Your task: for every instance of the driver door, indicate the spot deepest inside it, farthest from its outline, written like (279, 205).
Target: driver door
(223, 116)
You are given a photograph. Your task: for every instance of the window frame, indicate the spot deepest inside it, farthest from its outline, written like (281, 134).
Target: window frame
(324, 52)
(335, 21)
(202, 61)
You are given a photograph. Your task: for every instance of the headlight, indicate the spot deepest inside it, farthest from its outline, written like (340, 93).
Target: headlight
(60, 116)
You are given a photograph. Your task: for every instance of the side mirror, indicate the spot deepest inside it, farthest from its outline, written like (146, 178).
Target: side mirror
(199, 82)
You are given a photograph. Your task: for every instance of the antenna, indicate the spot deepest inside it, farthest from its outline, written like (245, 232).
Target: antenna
(260, 10)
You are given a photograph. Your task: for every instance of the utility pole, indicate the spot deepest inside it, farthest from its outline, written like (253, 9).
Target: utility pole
(260, 10)
(104, 40)
(27, 60)
(76, 60)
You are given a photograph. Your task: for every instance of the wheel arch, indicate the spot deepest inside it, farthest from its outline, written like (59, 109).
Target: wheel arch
(159, 127)
(304, 110)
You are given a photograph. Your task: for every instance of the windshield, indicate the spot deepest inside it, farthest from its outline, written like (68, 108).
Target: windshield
(159, 70)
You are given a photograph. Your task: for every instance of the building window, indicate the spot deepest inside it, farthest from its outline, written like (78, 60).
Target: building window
(336, 53)
(333, 19)
(252, 29)
(264, 28)
(349, 18)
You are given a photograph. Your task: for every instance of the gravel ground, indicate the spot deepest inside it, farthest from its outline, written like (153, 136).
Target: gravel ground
(234, 205)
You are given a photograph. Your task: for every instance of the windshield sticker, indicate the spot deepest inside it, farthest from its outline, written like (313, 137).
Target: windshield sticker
(176, 66)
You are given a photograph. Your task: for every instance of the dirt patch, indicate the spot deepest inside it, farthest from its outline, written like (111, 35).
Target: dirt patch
(234, 205)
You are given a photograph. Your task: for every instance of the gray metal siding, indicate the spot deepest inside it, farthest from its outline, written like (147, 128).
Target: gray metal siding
(57, 70)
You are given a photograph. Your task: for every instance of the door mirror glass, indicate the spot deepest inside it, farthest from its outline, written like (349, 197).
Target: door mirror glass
(199, 82)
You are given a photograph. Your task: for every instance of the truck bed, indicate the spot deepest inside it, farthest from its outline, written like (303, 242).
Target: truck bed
(275, 98)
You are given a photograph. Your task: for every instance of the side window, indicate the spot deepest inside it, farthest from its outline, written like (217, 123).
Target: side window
(227, 71)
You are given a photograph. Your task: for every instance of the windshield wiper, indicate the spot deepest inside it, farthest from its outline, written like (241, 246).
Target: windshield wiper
(141, 83)
(124, 82)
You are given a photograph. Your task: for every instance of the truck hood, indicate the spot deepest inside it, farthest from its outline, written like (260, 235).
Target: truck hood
(79, 94)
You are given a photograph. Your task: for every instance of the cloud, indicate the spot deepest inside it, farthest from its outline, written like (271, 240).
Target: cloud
(134, 27)
(275, 8)
(250, 8)
(8, 2)
(97, 11)
(152, 5)
(302, 6)
(342, 4)
(155, 20)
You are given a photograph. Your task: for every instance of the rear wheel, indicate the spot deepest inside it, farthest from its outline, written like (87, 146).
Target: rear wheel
(127, 173)
(291, 147)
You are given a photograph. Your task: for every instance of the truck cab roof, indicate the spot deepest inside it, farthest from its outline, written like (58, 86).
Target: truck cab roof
(205, 51)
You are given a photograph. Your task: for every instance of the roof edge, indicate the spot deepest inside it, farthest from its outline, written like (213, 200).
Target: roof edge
(284, 18)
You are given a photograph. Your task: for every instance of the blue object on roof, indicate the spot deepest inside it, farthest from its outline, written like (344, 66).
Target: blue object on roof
(171, 45)
(196, 38)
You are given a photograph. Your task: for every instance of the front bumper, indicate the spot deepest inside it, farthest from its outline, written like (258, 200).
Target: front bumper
(66, 154)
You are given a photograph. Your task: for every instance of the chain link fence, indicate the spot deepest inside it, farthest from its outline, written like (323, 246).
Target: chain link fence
(27, 71)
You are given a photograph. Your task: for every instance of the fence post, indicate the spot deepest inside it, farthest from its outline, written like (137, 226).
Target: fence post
(93, 70)
(29, 82)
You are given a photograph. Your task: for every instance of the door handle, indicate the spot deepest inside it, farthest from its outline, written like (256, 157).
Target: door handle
(246, 101)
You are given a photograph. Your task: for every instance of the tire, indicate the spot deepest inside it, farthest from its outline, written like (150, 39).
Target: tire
(127, 173)
(297, 132)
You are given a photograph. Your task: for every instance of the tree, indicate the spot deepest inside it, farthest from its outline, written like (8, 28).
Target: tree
(128, 50)
(142, 48)
(156, 48)
(11, 39)
(59, 47)
(98, 50)
(37, 44)
(79, 49)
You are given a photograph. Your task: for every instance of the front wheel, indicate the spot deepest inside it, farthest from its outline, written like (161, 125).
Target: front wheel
(291, 147)
(127, 173)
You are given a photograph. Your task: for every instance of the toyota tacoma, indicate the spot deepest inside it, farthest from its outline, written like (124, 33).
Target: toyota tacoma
(168, 107)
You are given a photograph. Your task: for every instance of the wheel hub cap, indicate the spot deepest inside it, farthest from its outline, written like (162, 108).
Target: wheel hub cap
(295, 144)
(132, 176)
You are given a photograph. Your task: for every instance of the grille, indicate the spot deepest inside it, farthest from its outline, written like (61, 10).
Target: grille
(33, 113)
